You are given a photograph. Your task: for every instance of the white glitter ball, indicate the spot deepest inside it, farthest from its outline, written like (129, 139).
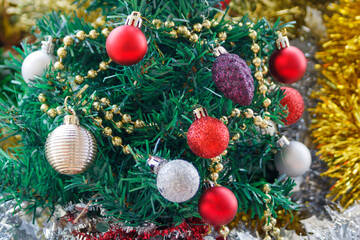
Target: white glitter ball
(178, 181)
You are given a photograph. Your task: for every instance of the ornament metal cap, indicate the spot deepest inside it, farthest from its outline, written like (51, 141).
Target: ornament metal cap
(48, 46)
(283, 142)
(155, 163)
(209, 184)
(134, 19)
(219, 50)
(71, 119)
(282, 42)
(200, 112)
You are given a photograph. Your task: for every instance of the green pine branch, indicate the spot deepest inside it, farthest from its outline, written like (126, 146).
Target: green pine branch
(162, 90)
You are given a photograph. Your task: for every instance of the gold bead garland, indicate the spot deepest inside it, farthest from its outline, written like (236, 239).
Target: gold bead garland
(270, 222)
(69, 41)
(99, 105)
(125, 123)
(78, 80)
(260, 68)
(215, 168)
(192, 33)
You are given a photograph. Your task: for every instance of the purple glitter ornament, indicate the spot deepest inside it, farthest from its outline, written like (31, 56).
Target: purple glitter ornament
(232, 77)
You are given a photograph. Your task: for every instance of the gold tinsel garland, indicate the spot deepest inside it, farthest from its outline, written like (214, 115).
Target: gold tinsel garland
(336, 127)
(18, 16)
(301, 11)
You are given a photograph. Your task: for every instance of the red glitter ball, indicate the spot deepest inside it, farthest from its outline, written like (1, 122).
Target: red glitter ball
(126, 45)
(208, 137)
(218, 206)
(287, 65)
(295, 103)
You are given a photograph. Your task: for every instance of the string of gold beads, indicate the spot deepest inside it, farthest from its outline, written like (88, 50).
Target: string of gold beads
(126, 122)
(62, 53)
(115, 140)
(191, 33)
(69, 41)
(262, 122)
(51, 112)
(270, 222)
(260, 68)
(215, 168)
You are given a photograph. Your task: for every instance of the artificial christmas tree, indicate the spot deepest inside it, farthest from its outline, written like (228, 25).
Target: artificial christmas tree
(140, 110)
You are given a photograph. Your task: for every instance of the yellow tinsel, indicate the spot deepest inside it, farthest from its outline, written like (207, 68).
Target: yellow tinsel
(302, 11)
(336, 127)
(18, 16)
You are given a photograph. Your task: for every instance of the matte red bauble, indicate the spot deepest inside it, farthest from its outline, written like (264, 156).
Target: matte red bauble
(218, 206)
(126, 45)
(208, 137)
(295, 103)
(288, 64)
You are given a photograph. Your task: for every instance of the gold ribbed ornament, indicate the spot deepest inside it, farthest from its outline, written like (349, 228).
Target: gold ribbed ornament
(70, 149)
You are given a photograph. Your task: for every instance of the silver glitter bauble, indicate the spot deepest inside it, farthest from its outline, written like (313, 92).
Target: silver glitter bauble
(178, 180)
(293, 160)
(70, 149)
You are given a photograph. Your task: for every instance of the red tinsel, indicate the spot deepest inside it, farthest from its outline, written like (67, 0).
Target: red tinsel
(194, 229)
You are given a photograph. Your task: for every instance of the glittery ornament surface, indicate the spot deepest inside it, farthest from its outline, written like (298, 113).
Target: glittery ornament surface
(208, 137)
(295, 103)
(178, 181)
(232, 77)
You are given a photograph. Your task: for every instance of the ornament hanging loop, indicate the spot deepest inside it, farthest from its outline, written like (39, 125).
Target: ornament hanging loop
(134, 19)
(282, 41)
(48, 45)
(69, 109)
(200, 112)
(155, 163)
(283, 141)
(219, 50)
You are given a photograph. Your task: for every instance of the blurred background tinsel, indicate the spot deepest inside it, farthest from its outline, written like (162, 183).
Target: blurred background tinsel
(328, 32)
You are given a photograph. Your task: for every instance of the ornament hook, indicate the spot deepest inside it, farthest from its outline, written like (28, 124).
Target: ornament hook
(219, 50)
(200, 112)
(283, 141)
(69, 109)
(48, 45)
(282, 41)
(134, 19)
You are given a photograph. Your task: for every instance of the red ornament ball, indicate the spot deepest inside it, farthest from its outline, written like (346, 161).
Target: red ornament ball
(208, 137)
(295, 103)
(218, 206)
(126, 45)
(288, 65)
(224, 4)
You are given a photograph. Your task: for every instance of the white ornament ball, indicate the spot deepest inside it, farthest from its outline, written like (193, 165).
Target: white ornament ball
(178, 181)
(293, 160)
(35, 64)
